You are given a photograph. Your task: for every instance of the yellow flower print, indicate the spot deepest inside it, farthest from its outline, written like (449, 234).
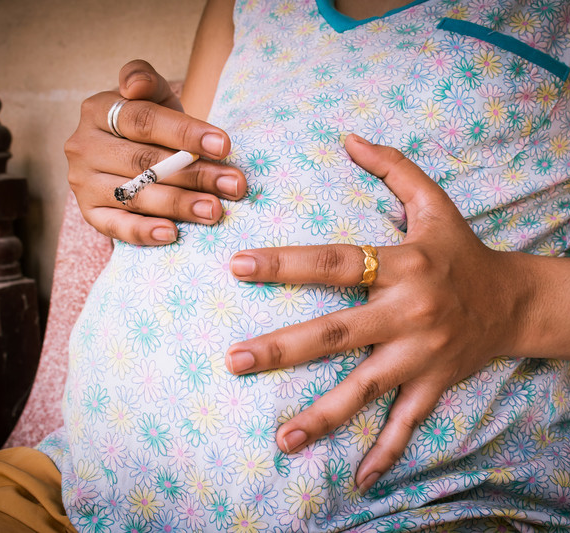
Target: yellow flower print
(560, 477)
(303, 497)
(495, 111)
(560, 145)
(431, 114)
(306, 28)
(173, 261)
(204, 414)
(120, 417)
(76, 427)
(200, 486)
(289, 299)
(546, 94)
(547, 248)
(285, 8)
(351, 492)
(465, 161)
(288, 413)
(220, 307)
(322, 154)
(377, 57)
(560, 399)
(501, 475)
(143, 501)
(362, 106)
(514, 177)
(553, 219)
(523, 22)
(393, 233)
(357, 197)
(276, 377)
(246, 520)
(253, 465)
(364, 431)
(429, 47)
(299, 198)
(542, 437)
(457, 12)
(345, 232)
(233, 213)
(488, 63)
(499, 243)
(120, 357)
(376, 26)
(284, 57)
(440, 459)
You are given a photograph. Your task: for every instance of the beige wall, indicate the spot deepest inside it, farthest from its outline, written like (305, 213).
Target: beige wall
(54, 54)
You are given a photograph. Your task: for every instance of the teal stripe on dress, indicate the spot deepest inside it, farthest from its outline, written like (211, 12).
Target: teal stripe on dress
(508, 43)
(340, 22)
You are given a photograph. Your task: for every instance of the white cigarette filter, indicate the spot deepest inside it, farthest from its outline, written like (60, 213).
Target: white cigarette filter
(156, 173)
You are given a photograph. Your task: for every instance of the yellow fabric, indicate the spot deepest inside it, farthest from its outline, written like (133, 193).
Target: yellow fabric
(30, 493)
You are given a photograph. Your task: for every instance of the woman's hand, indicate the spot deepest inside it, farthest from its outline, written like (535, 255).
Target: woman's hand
(442, 305)
(155, 127)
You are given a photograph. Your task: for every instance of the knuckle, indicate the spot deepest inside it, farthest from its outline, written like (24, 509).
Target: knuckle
(275, 262)
(72, 147)
(88, 106)
(143, 159)
(329, 261)
(112, 228)
(321, 422)
(417, 261)
(409, 420)
(276, 354)
(335, 335)
(367, 390)
(185, 132)
(143, 120)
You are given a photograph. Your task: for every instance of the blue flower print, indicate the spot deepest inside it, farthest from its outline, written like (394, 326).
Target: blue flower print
(144, 332)
(153, 434)
(319, 219)
(195, 368)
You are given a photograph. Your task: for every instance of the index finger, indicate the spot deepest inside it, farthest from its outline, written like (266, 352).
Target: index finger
(150, 123)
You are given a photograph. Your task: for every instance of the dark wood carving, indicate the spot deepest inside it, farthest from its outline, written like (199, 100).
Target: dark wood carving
(19, 323)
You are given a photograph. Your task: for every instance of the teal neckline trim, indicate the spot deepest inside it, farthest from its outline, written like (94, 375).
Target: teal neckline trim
(508, 43)
(341, 23)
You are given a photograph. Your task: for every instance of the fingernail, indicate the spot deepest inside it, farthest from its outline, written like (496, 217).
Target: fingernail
(240, 362)
(213, 143)
(360, 139)
(242, 265)
(203, 209)
(294, 439)
(163, 234)
(368, 482)
(137, 76)
(227, 185)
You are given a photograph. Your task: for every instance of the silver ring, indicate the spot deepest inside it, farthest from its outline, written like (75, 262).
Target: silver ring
(113, 117)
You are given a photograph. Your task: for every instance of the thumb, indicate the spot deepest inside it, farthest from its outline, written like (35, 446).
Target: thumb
(415, 189)
(139, 81)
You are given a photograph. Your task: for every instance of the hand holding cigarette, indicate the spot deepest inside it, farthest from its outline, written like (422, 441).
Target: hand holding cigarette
(156, 173)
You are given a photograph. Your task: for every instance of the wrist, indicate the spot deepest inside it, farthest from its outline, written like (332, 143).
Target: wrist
(538, 305)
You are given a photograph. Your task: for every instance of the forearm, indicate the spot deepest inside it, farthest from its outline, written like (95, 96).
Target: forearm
(212, 46)
(541, 306)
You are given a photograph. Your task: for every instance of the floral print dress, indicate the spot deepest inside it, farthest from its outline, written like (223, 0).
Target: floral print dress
(159, 436)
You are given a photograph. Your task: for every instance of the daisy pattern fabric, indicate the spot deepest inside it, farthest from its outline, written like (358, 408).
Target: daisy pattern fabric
(159, 436)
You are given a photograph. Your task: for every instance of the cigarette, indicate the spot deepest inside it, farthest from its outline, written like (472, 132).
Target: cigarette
(156, 173)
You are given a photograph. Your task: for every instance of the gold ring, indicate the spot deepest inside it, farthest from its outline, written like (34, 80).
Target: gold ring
(370, 265)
